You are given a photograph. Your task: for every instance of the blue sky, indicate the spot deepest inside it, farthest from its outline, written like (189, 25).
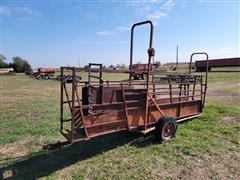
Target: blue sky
(56, 33)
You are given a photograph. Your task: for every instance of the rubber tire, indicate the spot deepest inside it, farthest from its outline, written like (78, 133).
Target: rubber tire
(159, 128)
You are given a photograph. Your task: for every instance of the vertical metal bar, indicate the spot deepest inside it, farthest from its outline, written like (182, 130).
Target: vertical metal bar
(190, 64)
(68, 100)
(170, 89)
(147, 93)
(81, 111)
(206, 76)
(132, 39)
(131, 52)
(148, 76)
(100, 73)
(206, 79)
(177, 58)
(153, 84)
(188, 91)
(193, 93)
(73, 105)
(180, 92)
(101, 83)
(170, 93)
(125, 105)
(185, 92)
(89, 73)
(61, 102)
(149, 62)
(180, 99)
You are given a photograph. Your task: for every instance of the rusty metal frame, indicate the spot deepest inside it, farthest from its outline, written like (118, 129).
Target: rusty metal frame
(206, 76)
(175, 89)
(132, 41)
(150, 55)
(181, 95)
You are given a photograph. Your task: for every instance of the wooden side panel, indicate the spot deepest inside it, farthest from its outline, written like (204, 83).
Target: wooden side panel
(106, 128)
(136, 117)
(105, 116)
(113, 94)
(168, 110)
(189, 108)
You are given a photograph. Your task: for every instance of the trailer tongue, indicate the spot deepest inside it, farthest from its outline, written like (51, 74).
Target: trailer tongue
(97, 107)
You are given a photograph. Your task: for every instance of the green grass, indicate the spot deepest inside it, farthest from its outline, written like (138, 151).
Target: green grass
(105, 76)
(224, 77)
(29, 117)
(233, 90)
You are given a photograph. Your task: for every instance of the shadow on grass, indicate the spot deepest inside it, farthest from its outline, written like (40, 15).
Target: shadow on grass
(45, 163)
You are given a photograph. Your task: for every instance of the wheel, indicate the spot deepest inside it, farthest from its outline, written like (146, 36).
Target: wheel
(165, 128)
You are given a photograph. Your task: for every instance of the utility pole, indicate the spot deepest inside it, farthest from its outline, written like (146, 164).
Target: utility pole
(78, 62)
(177, 57)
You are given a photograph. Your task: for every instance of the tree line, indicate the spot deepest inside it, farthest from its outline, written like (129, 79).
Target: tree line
(18, 64)
(123, 66)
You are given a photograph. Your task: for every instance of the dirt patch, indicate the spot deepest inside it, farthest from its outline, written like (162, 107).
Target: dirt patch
(66, 172)
(13, 150)
(226, 167)
(32, 115)
(232, 120)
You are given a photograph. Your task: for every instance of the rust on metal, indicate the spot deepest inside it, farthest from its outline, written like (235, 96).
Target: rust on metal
(97, 107)
(201, 65)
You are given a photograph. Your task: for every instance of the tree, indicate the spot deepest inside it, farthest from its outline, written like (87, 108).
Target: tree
(2, 57)
(86, 66)
(111, 66)
(21, 65)
(121, 66)
(157, 64)
(3, 64)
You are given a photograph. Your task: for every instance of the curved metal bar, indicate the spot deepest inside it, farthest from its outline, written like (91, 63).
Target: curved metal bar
(132, 40)
(198, 53)
(150, 54)
(206, 77)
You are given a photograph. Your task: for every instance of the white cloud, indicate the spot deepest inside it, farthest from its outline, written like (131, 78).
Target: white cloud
(168, 5)
(100, 42)
(123, 28)
(20, 11)
(156, 15)
(152, 10)
(104, 33)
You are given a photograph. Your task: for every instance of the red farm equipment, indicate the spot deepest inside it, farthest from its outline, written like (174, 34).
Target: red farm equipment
(44, 73)
(138, 71)
(97, 107)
